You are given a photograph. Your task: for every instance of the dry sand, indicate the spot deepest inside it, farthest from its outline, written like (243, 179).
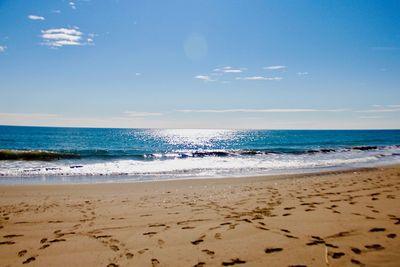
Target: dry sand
(330, 219)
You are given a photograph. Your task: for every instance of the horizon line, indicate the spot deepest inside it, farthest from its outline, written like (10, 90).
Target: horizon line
(167, 128)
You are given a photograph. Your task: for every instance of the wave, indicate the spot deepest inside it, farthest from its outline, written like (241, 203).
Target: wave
(35, 155)
(50, 155)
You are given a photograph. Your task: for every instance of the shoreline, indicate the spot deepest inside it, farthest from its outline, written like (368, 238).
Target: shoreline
(345, 218)
(272, 176)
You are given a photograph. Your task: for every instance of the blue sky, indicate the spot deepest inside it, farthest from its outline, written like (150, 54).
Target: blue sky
(200, 64)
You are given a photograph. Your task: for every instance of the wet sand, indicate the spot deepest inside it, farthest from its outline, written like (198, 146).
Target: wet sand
(349, 218)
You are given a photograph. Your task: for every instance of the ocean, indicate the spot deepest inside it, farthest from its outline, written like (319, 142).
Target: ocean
(47, 155)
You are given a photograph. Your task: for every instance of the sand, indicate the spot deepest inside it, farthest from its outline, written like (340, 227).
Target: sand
(349, 218)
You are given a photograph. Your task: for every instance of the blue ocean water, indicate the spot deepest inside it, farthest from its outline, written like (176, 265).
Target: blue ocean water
(73, 155)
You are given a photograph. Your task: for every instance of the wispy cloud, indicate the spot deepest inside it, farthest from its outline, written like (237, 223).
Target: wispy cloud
(205, 78)
(59, 37)
(141, 114)
(302, 74)
(35, 17)
(259, 78)
(232, 71)
(275, 67)
(381, 109)
(27, 115)
(243, 110)
(228, 69)
(3, 48)
(72, 5)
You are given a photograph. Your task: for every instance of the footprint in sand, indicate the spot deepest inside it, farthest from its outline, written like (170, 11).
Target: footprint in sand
(331, 245)
(11, 236)
(391, 236)
(57, 240)
(208, 252)
(28, 260)
(217, 236)
(357, 262)
(377, 229)
(375, 247)
(233, 262)
(356, 250)
(196, 242)
(150, 234)
(272, 250)
(155, 262)
(143, 250)
(114, 247)
(187, 227)
(157, 225)
(44, 246)
(129, 255)
(7, 242)
(289, 208)
(102, 236)
(22, 253)
(200, 264)
(337, 255)
(112, 265)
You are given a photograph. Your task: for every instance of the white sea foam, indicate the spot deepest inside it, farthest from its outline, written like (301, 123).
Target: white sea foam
(199, 167)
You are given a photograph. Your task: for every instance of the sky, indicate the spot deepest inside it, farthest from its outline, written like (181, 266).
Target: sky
(200, 64)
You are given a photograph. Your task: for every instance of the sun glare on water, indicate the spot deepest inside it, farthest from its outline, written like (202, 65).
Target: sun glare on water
(195, 137)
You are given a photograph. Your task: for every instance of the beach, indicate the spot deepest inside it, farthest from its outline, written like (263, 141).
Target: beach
(339, 218)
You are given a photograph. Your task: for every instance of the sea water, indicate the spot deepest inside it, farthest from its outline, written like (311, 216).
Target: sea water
(87, 155)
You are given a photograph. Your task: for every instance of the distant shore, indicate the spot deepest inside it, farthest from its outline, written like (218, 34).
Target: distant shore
(336, 218)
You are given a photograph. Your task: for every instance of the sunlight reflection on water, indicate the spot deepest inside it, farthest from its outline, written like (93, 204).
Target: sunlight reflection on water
(198, 138)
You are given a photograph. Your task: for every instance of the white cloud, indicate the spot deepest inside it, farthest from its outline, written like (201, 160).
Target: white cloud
(232, 71)
(141, 114)
(138, 74)
(6, 116)
(64, 36)
(259, 78)
(72, 5)
(276, 67)
(35, 17)
(3, 48)
(380, 110)
(277, 110)
(56, 11)
(228, 69)
(302, 74)
(204, 78)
